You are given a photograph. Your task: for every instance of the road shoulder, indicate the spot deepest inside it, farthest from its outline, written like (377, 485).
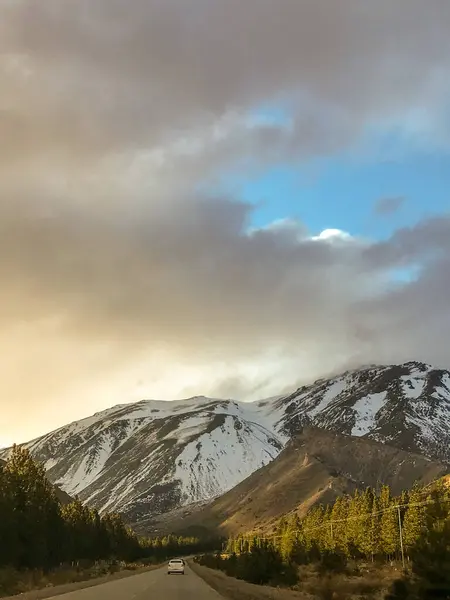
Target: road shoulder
(58, 590)
(234, 589)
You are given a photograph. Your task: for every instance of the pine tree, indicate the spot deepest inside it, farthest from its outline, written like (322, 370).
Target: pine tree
(36, 532)
(356, 525)
(315, 532)
(339, 514)
(80, 530)
(415, 519)
(373, 543)
(327, 532)
(288, 537)
(363, 540)
(438, 507)
(9, 547)
(389, 527)
(36, 510)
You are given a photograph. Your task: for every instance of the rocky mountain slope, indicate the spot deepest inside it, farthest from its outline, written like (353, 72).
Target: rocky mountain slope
(316, 466)
(151, 457)
(407, 406)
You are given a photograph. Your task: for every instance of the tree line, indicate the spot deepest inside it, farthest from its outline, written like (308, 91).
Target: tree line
(169, 546)
(366, 526)
(39, 532)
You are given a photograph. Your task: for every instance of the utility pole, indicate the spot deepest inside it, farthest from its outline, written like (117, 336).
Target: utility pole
(401, 537)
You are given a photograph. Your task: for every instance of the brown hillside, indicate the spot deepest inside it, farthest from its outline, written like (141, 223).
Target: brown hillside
(315, 467)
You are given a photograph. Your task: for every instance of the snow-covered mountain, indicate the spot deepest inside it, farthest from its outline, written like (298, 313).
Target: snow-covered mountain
(407, 406)
(153, 456)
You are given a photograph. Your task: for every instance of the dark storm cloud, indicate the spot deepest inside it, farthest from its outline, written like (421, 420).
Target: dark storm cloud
(114, 115)
(86, 76)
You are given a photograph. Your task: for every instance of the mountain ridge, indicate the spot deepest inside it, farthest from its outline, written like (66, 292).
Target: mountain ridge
(316, 466)
(152, 457)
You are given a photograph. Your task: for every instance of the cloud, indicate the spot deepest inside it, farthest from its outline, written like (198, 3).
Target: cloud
(100, 77)
(94, 297)
(117, 263)
(388, 205)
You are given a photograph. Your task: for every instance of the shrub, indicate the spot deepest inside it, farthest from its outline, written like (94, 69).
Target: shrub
(334, 562)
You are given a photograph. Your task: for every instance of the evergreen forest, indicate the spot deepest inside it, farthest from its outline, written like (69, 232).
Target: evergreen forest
(39, 532)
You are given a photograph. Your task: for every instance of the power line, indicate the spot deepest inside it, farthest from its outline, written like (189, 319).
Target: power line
(395, 507)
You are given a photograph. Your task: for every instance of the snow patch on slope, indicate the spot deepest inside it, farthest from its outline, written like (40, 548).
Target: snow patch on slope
(442, 392)
(51, 462)
(336, 388)
(189, 428)
(365, 413)
(270, 413)
(414, 383)
(89, 468)
(238, 452)
(432, 421)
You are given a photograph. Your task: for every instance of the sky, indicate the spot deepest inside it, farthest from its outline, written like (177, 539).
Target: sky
(217, 198)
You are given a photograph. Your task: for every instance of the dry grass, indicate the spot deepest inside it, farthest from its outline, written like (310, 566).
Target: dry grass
(360, 582)
(36, 585)
(234, 589)
(367, 582)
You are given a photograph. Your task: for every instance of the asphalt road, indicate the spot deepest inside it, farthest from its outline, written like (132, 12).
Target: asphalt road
(151, 585)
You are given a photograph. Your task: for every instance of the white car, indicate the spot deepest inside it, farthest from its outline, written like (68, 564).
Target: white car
(176, 565)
